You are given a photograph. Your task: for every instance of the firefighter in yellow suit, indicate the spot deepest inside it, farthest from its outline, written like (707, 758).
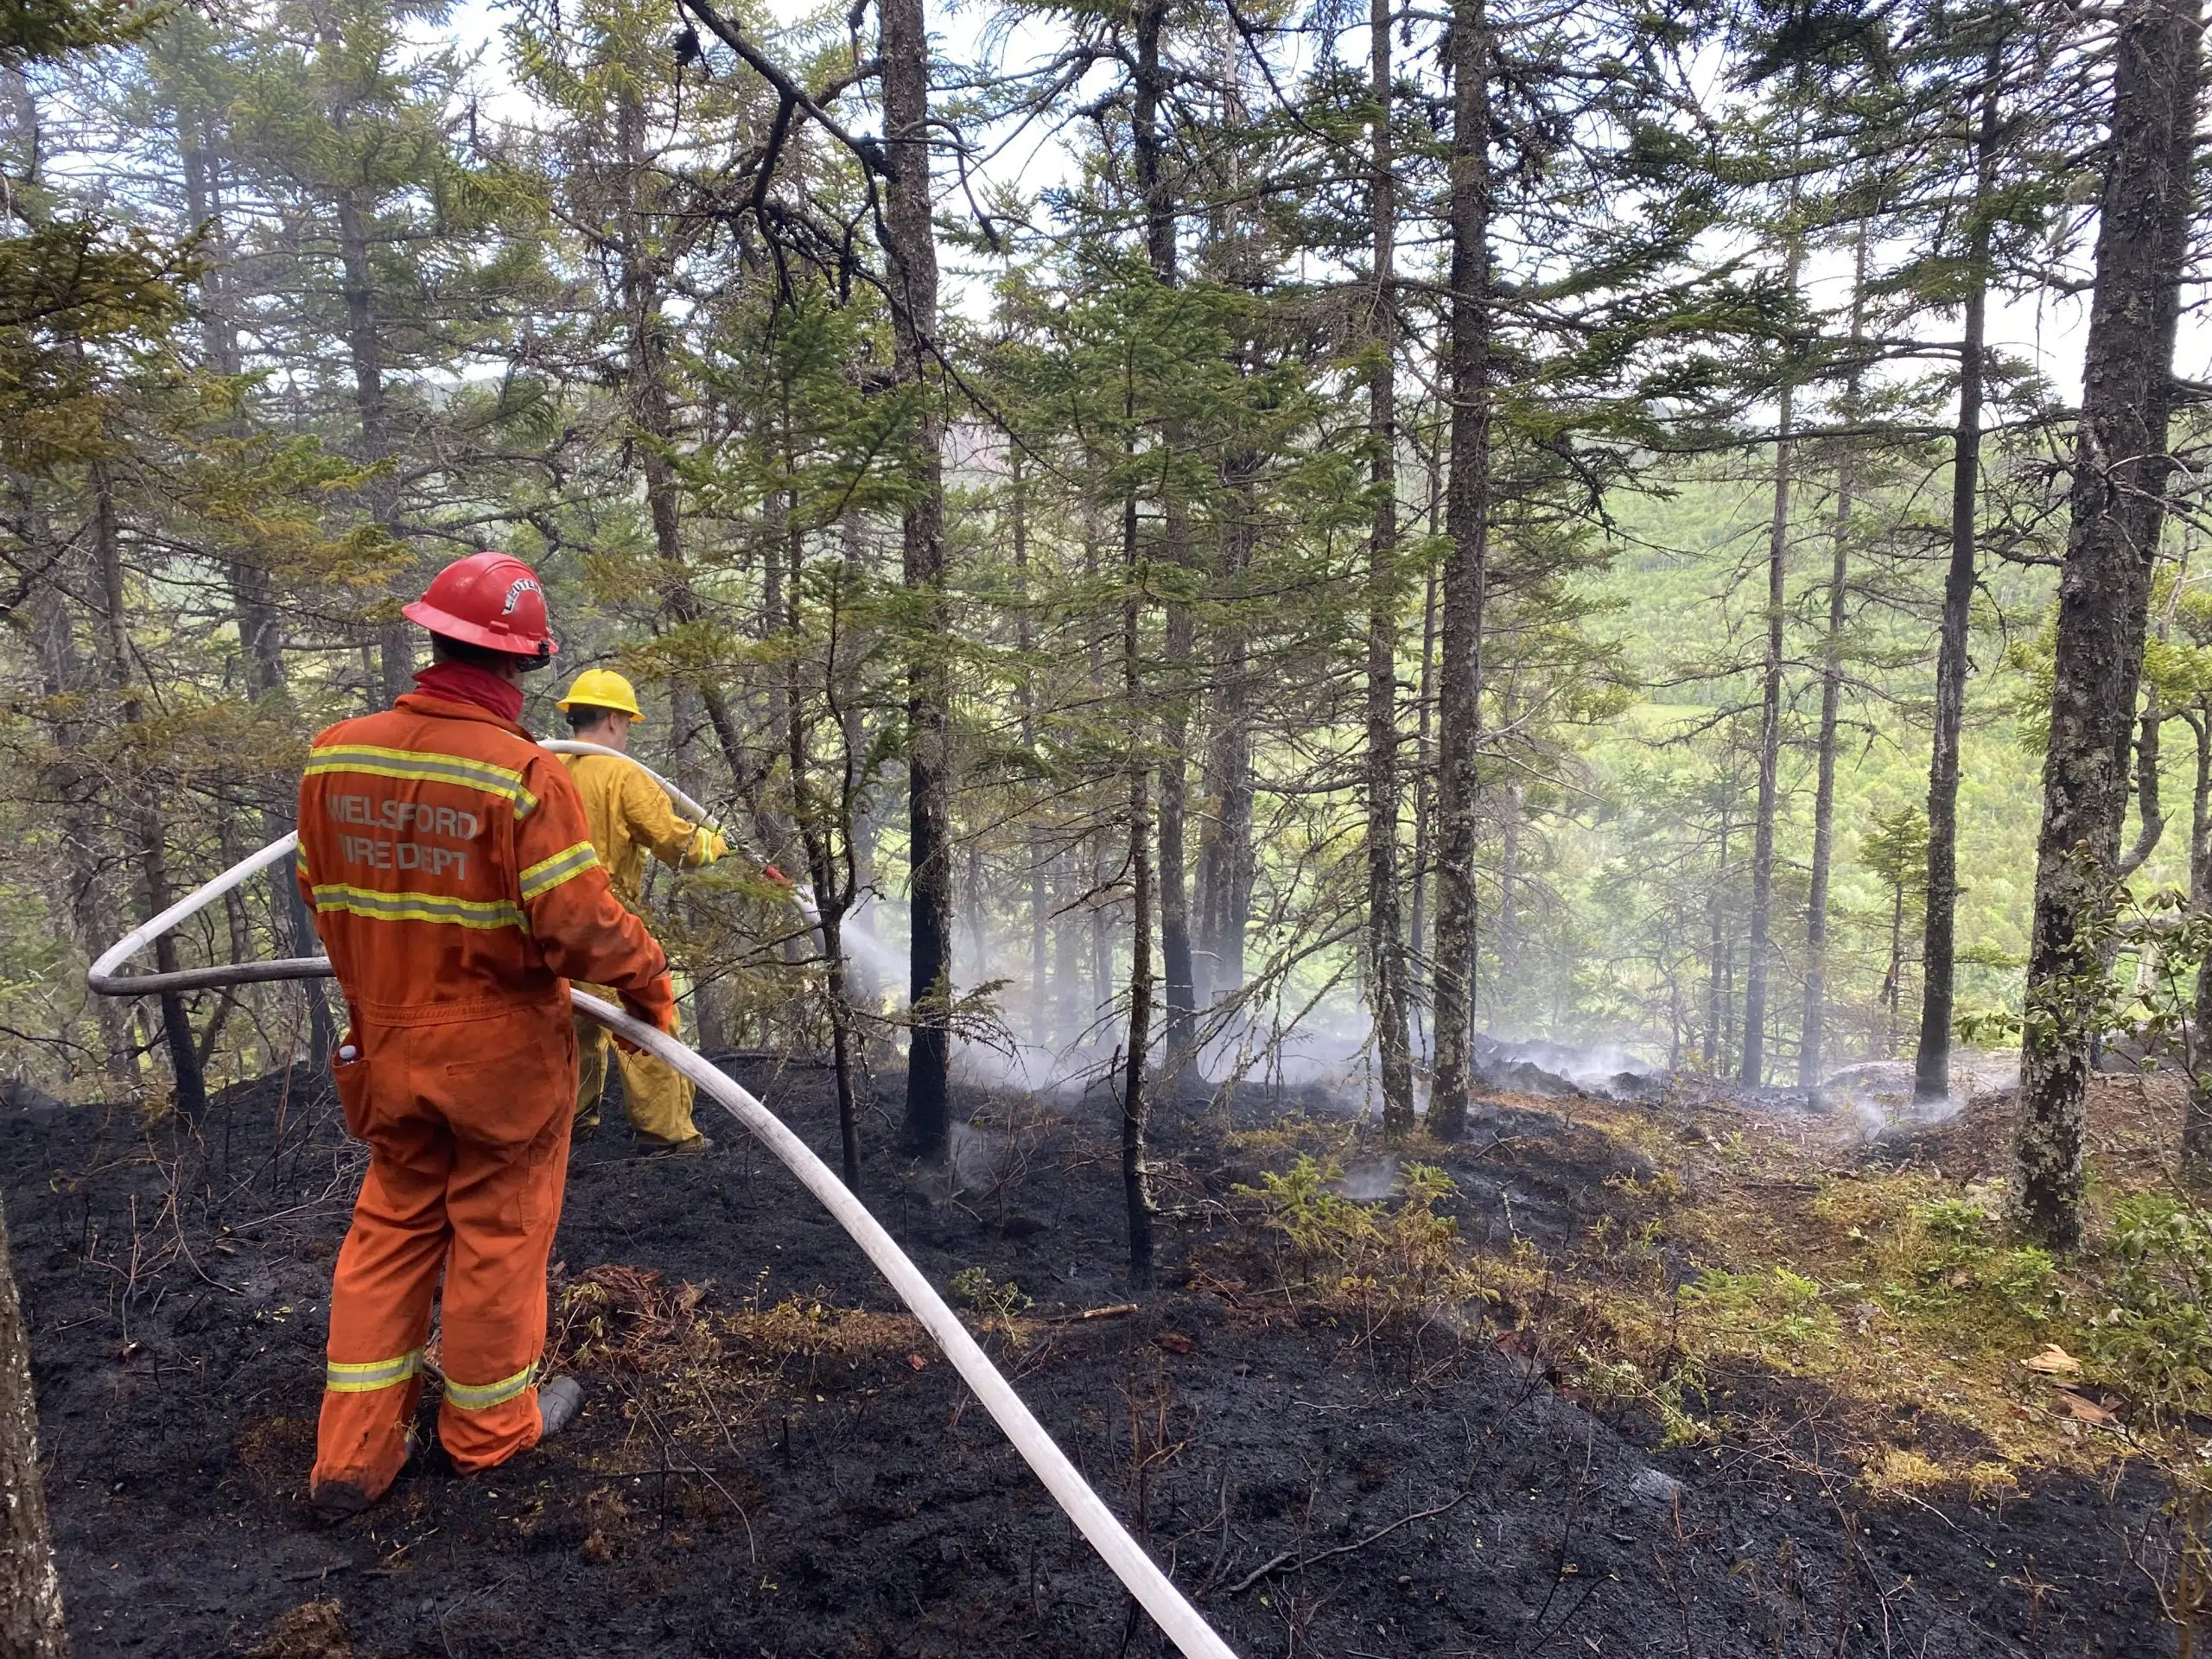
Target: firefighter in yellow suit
(629, 815)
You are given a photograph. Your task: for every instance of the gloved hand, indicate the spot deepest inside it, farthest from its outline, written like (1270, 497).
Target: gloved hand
(656, 1008)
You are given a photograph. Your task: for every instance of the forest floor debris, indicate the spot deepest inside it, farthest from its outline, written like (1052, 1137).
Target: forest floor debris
(1608, 1376)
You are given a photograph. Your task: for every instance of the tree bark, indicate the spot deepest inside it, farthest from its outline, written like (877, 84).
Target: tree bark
(911, 256)
(1813, 1031)
(1034, 854)
(142, 827)
(64, 680)
(1721, 951)
(2196, 1115)
(1421, 993)
(1157, 190)
(1504, 999)
(1136, 1191)
(1226, 863)
(1758, 962)
(1931, 1071)
(1465, 573)
(31, 1625)
(253, 598)
(1386, 949)
(365, 349)
(1069, 1014)
(2117, 509)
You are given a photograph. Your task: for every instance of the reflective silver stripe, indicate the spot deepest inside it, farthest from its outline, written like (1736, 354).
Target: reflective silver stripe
(364, 1377)
(550, 873)
(419, 907)
(482, 1396)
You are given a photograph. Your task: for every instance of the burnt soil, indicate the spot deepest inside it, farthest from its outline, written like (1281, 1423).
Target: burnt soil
(831, 1489)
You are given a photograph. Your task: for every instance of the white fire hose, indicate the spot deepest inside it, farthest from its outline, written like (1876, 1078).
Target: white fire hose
(1136, 1570)
(802, 895)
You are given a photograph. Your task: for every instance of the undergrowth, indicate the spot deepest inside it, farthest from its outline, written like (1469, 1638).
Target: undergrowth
(1385, 1258)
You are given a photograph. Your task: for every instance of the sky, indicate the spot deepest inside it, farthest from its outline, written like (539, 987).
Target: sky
(2047, 332)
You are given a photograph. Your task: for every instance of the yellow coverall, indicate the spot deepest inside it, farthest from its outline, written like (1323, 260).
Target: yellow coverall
(629, 815)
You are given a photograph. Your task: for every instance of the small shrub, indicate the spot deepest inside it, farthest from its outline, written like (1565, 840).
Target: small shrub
(2154, 1336)
(1762, 1311)
(2155, 1331)
(1616, 1385)
(1948, 1256)
(1952, 1220)
(973, 1288)
(1369, 1254)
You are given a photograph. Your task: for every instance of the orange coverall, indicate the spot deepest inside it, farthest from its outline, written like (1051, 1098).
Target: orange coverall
(453, 881)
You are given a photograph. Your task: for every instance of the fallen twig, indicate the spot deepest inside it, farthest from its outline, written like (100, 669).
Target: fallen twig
(1115, 1311)
(1291, 1557)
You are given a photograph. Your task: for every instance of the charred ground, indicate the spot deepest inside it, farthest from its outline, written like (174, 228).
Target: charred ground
(775, 1462)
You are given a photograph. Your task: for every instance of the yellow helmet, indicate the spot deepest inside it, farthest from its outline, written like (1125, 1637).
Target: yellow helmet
(603, 688)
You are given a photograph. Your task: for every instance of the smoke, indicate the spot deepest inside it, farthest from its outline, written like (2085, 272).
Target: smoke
(1368, 1180)
(1057, 1038)
(1605, 1066)
(1877, 1097)
(1057, 1034)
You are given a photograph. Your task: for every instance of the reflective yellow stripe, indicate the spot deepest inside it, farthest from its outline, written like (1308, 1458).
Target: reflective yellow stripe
(482, 1396)
(419, 907)
(550, 873)
(426, 767)
(373, 1374)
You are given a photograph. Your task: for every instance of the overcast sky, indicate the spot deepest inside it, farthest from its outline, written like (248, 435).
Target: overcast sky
(2046, 330)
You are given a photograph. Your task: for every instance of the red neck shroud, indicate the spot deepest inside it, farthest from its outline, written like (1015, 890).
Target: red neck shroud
(464, 682)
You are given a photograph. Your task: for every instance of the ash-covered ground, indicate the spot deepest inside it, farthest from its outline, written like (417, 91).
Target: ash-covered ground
(774, 1462)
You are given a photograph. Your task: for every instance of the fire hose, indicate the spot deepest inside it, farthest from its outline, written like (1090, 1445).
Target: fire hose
(801, 894)
(1181, 1622)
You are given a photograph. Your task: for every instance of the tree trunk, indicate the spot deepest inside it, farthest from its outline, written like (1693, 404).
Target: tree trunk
(2118, 508)
(253, 599)
(1458, 713)
(31, 1626)
(1424, 780)
(364, 344)
(2196, 1115)
(64, 680)
(395, 642)
(1421, 993)
(1758, 964)
(912, 258)
(651, 412)
(1386, 949)
(1069, 1014)
(1226, 860)
(1034, 850)
(1719, 952)
(143, 826)
(1812, 1036)
(824, 826)
(1503, 994)
(1157, 191)
(260, 624)
(1931, 1071)
(710, 1024)
(1135, 1186)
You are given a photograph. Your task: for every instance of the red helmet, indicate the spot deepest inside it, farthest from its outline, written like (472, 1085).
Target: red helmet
(488, 599)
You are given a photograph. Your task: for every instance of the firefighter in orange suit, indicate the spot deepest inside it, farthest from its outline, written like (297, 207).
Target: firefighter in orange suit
(451, 874)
